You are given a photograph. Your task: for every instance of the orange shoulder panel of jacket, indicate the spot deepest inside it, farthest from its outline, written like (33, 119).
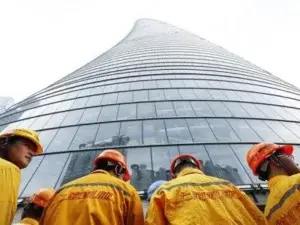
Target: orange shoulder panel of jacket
(283, 204)
(10, 178)
(27, 221)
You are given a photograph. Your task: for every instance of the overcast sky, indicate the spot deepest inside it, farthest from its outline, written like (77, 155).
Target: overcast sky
(42, 41)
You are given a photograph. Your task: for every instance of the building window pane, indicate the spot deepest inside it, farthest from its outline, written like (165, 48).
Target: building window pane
(39, 111)
(62, 139)
(217, 94)
(66, 105)
(85, 137)
(165, 109)
(162, 157)
(146, 110)
(226, 165)
(108, 135)
(84, 92)
(139, 96)
(156, 95)
(244, 131)
(264, 131)
(26, 123)
(125, 97)
(53, 107)
(154, 132)
(190, 83)
(90, 115)
(46, 137)
(139, 163)
(163, 84)
(29, 171)
(133, 131)
(231, 95)
(283, 113)
(202, 109)
(253, 111)
(72, 117)
(108, 113)
(241, 153)
(44, 176)
(94, 100)
(97, 90)
(110, 88)
(79, 103)
(184, 109)
(172, 94)
(282, 131)
(200, 130)
(55, 120)
(40, 122)
(150, 84)
(123, 87)
(137, 85)
(267, 110)
(73, 94)
(176, 83)
(294, 127)
(219, 109)
(215, 84)
(203, 83)
(236, 109)
(199, 152)
(202, 94)
(177, 131)
(245, 96)
(187, 94)
(109, 99)
(127, 111)
(222, 130)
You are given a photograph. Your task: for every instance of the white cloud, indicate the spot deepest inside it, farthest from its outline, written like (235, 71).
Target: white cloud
(42, 41)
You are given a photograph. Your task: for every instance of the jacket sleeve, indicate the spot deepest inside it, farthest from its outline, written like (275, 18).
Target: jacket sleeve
(135, 215)
(155, 214)
(252, 209)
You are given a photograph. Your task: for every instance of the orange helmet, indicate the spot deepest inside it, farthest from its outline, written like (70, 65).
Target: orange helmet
(176, 161)
(258, 153)
(115, 156)
(42, 197)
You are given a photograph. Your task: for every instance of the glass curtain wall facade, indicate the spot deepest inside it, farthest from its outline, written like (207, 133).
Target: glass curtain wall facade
(159, 92)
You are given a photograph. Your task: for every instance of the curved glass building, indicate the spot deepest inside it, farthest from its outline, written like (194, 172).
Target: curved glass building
(159, 92)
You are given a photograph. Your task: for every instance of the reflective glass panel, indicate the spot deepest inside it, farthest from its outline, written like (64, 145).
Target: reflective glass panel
(40, 122)
(132, 130)
(252, 110)
(282, 131)
(55, 120)
(294, 127)
(137, 85)
(162, 157)
(139, 163)
(264, 131)
(73, 94)
(243, 130)
(177, 131)
(39, 111)
(72, 117)
(45, 177)
(85, 137)
(231, 95)
(187, 94)
(202, 109)
(46, 137)
(150, 84)
(97, 90)
(202, 94)
(283, 113)
(140, 96)
(156, 95)
(108, 135)
(165, 109)
(163, 84)
(127, 111)
(108, 113)
(90, 115)
(236, 109)
(226, 164)
(190, 83)
(79, 103)
(146, 110)
(267, 110)
(172, 94)
(110, 88)
(94, 100)
(123, 87)
(183, 109)
(65, 105)
(176, 83)
(62, 139)
(245, 96)
(84, 92)
(222, 130)
(53, 107)
(219, 109)
(217, 94)
(200, 130)
(125, 97)
(154, 132)
(202, 83)
(26, 123)
(109, 99)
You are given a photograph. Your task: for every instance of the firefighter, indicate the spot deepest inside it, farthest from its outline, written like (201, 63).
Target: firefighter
(194, 198)
(17, 147)
(35, 206)
(276, 164)
(153, 187)
(102, 197)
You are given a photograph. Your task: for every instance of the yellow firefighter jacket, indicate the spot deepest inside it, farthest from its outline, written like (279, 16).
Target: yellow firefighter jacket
(98, 198)
(283, 204)
(27, 221)
(194, 198)
(10, 178)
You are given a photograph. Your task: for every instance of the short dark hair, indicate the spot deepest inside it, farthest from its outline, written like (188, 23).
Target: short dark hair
(32, 211)
(103, 165)
(183, 165)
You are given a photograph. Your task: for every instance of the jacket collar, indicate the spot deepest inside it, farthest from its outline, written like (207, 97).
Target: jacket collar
(188, 171)
(101, 171)
(275, 180)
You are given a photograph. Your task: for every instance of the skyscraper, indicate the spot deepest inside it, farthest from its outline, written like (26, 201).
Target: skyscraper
(159, 92)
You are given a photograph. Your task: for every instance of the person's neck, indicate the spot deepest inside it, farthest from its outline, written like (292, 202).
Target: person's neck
(277, 172)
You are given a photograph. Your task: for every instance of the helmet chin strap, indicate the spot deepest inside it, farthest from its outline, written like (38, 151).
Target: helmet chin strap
(276, 160)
